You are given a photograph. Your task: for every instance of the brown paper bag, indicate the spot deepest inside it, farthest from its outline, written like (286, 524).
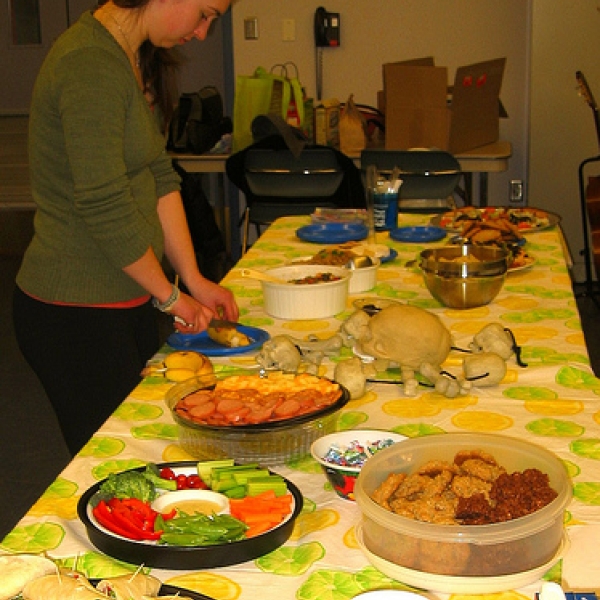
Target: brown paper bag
(352, 129)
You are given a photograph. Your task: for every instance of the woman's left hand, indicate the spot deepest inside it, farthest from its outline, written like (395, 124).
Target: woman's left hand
(216, 301)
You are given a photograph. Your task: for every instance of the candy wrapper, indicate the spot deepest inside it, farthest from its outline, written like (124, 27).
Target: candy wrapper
(354, 454)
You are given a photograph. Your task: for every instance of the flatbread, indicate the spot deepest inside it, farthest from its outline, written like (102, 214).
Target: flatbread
(17, 570)
(127, 587)
(61, 587)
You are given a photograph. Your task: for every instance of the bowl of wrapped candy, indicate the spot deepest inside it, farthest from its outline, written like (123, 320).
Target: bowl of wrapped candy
(343, 454)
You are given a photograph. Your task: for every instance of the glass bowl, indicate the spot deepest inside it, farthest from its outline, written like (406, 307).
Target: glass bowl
(268, 443)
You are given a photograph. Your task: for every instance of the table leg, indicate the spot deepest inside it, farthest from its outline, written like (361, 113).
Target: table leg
(232, 195)
(225, 199)
(483, 189)
(465, 193)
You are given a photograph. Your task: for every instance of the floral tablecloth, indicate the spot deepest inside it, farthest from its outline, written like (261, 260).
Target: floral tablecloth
(554, 402)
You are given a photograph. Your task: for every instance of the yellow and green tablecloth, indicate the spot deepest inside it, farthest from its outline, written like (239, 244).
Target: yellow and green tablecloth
(554, 402)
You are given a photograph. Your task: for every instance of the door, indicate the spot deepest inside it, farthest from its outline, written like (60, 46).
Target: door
(27, 30)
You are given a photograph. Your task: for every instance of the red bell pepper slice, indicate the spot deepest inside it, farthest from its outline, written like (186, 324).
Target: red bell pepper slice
(130, 521)
(105, 518)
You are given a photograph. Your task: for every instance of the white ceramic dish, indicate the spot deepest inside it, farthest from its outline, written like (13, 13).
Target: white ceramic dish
(450, 584)
(364, 278)
(305, 301)
(218, 503)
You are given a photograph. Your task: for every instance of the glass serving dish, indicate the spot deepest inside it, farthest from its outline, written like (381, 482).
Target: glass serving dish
(268, 443)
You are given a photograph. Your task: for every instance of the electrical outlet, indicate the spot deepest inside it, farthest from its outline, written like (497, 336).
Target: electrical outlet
(516, 193)
(251, 28)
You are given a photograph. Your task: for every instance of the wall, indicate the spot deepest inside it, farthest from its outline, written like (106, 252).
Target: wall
(19, 64)
(565, 38)
(373, 32)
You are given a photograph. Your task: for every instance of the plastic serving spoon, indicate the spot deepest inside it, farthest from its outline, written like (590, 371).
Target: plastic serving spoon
(260, 276)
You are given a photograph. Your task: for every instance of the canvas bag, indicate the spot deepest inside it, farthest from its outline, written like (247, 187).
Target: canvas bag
(263, 93)
(198, 122)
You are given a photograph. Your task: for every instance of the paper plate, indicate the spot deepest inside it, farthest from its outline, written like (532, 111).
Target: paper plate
(418, 234)
(333, 233)
(452, 584)
(201, 342)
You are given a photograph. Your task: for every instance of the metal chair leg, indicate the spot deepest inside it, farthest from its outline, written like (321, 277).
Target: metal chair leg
(246, 230)
(590, 290)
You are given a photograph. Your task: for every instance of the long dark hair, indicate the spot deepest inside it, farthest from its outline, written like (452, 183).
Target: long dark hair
(158, 66)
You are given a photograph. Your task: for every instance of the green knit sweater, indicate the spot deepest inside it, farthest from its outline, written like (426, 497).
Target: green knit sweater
(98, 166)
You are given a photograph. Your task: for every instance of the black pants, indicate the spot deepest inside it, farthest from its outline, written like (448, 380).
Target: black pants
(87, 359)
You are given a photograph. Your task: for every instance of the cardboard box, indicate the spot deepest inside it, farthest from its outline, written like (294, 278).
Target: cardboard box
(327, 121)
(422, 111)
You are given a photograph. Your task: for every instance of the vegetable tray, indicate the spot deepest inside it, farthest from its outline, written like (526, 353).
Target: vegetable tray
(154, 555)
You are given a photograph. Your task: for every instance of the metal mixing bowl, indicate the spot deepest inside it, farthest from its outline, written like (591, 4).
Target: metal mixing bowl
(464, 276)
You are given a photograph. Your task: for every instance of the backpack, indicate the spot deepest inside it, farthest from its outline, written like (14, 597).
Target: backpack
(209, 243)
(198, 122)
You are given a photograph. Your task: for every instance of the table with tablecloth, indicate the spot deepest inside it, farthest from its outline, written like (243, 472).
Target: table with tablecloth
(554, 401)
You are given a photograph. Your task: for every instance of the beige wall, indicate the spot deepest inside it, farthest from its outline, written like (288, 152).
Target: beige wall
(565, 38)
(373, 32)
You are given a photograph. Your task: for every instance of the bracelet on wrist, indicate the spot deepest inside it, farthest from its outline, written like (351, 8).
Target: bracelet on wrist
(167, 305)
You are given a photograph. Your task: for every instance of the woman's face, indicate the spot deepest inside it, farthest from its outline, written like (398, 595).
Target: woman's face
(174, 22)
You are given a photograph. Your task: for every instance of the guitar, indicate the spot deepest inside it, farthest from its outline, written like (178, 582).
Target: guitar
(592, 195)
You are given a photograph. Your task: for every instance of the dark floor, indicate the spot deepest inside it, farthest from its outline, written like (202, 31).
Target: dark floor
(32, 450)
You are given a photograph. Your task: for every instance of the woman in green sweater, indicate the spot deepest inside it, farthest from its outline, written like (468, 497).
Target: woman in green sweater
(108, 209)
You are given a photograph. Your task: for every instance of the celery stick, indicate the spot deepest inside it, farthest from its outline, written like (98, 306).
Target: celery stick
(205, 468)
(222, 485)
(244, 476)
(226, 471)
(236, 492)
(259, 485)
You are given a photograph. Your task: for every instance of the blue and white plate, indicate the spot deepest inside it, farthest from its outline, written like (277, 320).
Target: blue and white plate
(333, 233)
(201, 342)
(418, 234)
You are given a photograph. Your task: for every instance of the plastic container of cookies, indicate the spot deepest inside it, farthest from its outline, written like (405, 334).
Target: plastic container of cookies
(270, 443)
(462, 558)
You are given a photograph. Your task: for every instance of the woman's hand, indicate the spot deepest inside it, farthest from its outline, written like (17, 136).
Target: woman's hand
(217, 298)
(190, 316)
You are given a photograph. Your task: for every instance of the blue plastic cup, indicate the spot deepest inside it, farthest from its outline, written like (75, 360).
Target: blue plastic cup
(385, 211)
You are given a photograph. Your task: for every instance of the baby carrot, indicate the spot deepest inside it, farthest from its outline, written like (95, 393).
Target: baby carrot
(261, 512)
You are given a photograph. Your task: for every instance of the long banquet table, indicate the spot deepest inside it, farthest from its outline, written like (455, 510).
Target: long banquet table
(554, 402)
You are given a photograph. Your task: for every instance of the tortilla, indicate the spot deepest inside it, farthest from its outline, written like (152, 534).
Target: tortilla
(128, 587)
(61, 587)
(17, 570)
